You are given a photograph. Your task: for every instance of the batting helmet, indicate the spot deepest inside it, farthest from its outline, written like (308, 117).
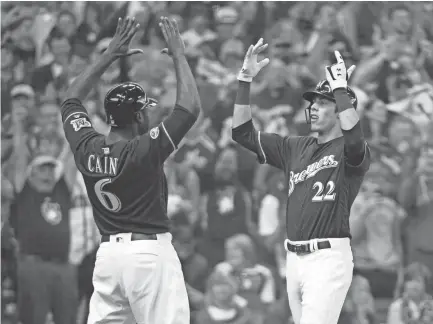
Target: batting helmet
(124, 101)
(323, 89)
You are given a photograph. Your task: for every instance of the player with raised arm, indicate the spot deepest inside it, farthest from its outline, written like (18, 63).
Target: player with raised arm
(324, 176)
(138, 276)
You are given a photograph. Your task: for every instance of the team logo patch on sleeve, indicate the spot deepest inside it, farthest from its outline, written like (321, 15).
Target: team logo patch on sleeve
(154, 132)
(80, 123)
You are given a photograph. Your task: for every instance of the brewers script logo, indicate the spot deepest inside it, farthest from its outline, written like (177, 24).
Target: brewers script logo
(324, 163)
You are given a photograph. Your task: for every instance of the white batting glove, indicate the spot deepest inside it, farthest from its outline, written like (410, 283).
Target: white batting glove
(337, 75)
(251, 67)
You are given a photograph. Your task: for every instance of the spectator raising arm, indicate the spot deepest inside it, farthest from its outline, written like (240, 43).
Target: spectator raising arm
(118, 47)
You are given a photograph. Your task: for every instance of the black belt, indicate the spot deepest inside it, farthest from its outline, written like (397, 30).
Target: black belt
(305, 248)
(134, 237)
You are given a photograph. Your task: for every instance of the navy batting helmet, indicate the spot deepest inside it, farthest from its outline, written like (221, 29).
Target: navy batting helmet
(323, 89)
(124, 101)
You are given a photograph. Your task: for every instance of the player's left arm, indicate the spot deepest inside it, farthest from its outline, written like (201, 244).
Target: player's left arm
(356, 149)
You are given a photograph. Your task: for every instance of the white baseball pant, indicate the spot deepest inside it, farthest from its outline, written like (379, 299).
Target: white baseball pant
(138, 282)
(318, 282)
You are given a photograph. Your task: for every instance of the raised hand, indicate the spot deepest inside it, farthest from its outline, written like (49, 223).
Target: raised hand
(337, 75)
(170, 30)
(251, 67)
(125, 31)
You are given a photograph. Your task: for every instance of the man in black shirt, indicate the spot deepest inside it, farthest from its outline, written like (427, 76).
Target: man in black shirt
(137, 276)
(323, 175)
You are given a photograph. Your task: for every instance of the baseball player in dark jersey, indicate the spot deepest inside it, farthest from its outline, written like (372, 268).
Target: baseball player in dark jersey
(324, 175)
(138, 276)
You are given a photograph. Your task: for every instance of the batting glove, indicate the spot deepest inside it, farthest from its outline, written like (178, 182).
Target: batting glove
(337, 75)
(251, 67)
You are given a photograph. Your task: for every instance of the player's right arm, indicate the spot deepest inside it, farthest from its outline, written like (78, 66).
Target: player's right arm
(76, 122)
(270, 148)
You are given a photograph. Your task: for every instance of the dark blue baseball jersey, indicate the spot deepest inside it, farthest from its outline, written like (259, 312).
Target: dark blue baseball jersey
(125, 180)
(321, 184)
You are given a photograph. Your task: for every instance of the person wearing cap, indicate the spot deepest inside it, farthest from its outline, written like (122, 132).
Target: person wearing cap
(15, 133)
(129, 199)
(40, 217)
(23, 97)
(22, 101)
(324, 175)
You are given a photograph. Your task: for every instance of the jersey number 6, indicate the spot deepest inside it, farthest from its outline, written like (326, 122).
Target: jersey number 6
(330, 194)
(109, 200)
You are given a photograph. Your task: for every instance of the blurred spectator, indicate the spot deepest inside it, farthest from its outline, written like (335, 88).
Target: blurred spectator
(416, 195)
(51, 78)
(184, 187)
(84, 239)
(225, 18)
(40, 217)
(197, 151)
(256, 282)
(199, 31)
(67, 24)
(277, 93)
(194, 265)
(414, 304)
(227, 208)
(359, 305)
(88, 32)
(222, 304)
(375, 225)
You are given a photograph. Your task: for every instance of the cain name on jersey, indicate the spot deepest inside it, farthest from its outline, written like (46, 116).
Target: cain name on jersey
(106, 165)
(324, 163)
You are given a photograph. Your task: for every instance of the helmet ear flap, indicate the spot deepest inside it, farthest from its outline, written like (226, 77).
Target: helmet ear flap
(308, 113)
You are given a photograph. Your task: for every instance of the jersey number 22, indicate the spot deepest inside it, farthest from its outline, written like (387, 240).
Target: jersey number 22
(328, 196)
(109, 200)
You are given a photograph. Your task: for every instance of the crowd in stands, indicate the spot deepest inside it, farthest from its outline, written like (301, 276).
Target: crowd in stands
(227, 210)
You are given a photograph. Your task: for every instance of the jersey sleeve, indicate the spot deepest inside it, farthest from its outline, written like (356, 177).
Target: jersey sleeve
(77, 125)
(162, 140)
(270, 148)
(362, 168)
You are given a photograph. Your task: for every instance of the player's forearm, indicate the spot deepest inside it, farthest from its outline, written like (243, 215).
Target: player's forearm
(187, 95)
(243, 131)
(354, 142)
(80, 88)
(347, 113)
(242, 110)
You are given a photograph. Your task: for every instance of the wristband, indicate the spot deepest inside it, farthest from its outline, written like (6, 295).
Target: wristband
(342, 99)
(245, 78)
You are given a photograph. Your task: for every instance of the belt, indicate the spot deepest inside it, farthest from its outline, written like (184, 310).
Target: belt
(305, 248)
(134, 237)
